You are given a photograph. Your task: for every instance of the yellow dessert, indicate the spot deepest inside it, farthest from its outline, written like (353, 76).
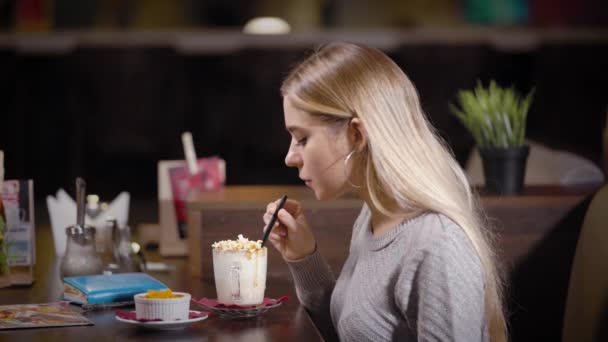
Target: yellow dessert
(165, 305)
(161, 294)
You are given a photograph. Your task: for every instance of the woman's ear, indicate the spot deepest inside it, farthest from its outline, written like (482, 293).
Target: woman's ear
(357, 134)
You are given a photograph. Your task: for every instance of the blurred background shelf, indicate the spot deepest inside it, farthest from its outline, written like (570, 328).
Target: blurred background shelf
(211, 41)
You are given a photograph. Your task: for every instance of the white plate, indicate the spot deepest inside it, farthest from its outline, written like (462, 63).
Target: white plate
(165, 325)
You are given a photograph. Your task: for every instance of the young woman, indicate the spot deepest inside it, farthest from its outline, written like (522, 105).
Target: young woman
(420, 266)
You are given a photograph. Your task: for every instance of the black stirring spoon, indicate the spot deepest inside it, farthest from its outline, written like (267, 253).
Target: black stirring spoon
(273, 220)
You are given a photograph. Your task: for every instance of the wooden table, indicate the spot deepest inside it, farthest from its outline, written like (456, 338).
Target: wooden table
(289, 322)
(522, 222)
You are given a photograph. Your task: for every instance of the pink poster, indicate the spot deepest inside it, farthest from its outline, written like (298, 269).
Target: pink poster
(210, 177)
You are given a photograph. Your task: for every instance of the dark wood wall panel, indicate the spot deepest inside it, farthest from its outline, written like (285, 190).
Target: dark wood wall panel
(110, 113)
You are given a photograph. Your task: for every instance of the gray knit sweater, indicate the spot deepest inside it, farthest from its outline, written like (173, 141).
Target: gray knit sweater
(420, 281)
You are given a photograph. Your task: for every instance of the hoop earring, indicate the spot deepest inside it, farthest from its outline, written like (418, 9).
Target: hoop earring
(347, 176)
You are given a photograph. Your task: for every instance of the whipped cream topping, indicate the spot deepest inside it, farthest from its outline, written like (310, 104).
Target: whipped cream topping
(242, 244)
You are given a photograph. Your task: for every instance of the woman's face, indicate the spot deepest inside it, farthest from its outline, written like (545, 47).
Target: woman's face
(318, 150)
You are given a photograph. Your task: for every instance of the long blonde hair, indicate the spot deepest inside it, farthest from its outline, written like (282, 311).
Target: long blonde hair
(405, 161)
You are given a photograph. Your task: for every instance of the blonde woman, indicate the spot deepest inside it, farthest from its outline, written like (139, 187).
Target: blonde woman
(420, 266)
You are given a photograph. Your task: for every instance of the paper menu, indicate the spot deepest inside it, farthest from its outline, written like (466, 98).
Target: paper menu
(18, 200)
(40, 315)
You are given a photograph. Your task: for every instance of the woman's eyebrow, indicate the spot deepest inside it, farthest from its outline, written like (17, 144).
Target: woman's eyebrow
(294, 129)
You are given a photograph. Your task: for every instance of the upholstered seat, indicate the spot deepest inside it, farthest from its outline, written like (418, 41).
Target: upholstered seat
(586, 311)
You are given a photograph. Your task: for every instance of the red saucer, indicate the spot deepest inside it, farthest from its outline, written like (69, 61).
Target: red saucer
(215, 304)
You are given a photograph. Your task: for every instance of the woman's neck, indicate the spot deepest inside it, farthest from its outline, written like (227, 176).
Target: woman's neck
(381, 222)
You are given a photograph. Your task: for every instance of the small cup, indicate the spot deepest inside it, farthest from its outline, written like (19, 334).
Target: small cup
(240, 276)
(166, 309)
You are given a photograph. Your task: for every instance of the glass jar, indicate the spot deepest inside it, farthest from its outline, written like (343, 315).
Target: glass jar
(124, 256)
(81, 256)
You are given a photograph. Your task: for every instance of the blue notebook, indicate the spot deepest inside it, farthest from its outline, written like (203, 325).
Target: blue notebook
(104, 289)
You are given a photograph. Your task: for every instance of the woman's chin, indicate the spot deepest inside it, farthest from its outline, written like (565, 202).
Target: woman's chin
(325, 195)
(318, 195)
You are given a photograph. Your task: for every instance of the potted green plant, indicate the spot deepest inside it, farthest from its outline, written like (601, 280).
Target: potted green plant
(496, 117)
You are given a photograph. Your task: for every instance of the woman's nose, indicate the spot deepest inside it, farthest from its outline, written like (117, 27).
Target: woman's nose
(292, 159)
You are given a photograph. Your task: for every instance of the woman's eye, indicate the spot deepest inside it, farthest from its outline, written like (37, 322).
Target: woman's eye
(302, 142)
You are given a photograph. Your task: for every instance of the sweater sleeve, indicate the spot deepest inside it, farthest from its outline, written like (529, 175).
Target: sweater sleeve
(446, 300)
(314, 282)
(313, 277)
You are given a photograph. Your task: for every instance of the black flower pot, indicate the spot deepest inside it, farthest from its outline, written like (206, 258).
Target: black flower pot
(504, 169)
